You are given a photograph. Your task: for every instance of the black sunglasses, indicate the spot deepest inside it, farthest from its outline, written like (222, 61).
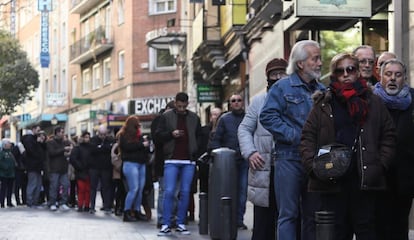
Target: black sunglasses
(341, 71)
(236, 100)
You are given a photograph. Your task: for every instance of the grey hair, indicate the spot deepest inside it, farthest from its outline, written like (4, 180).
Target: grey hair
(299, 53)
(364, 47)
(394, 61)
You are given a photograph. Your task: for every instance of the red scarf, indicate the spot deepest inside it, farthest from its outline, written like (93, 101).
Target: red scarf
(355, 96)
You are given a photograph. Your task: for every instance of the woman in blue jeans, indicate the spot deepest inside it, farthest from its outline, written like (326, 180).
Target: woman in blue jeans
(134, 150)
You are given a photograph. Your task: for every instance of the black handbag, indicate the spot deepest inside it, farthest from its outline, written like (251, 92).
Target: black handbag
(332, 161)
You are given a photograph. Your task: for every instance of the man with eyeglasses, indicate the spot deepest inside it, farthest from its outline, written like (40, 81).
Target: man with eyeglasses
(284, 113)
(366, 59)
(226, 136)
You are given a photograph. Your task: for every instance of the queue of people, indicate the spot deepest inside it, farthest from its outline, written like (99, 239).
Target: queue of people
(367, 108)
(45, 164)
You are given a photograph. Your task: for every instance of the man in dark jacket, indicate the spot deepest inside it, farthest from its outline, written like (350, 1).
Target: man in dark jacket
(58, 150)
(179, 131)
(158, 165)
(100, 169)
(33, 158)
(394, 209)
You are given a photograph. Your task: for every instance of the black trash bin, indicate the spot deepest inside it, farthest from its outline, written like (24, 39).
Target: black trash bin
(325, 225)
(222, 192)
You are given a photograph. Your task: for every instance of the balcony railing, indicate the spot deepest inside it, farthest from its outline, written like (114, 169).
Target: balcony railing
(83, 6)
(90, 46)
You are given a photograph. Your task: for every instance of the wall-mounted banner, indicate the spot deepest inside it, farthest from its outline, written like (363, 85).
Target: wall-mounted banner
(55, 99)
(44, 40)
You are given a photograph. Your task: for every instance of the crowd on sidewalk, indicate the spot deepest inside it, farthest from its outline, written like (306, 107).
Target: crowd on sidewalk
(366, 110)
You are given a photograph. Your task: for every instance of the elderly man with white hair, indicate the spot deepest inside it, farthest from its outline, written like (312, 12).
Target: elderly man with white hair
(100, 169)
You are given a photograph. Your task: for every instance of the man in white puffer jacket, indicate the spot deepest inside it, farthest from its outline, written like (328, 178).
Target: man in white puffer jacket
(256, 145)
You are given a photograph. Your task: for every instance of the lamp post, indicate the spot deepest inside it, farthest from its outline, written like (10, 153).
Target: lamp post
(175, 45)
(54, 120)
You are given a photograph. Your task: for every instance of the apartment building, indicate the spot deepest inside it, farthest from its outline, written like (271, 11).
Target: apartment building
(100, 68)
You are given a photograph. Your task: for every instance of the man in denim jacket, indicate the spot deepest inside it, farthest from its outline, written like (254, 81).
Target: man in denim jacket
(284, 113)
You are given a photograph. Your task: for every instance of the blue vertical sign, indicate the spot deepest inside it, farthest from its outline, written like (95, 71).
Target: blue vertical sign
(44, 40)
(44, 6)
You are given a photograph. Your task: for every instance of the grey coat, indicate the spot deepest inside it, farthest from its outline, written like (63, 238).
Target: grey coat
(254, 138)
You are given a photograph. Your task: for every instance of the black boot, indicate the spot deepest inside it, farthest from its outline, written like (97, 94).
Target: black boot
(128, 216)
(118, 212)
(139, 216)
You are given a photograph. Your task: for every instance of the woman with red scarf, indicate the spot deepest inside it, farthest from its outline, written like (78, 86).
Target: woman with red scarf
(349, 113)
(134, 154)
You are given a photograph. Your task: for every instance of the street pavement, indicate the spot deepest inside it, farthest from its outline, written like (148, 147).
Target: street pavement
(23, 223)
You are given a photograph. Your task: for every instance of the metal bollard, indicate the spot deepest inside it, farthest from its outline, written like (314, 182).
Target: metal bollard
(227, 218)
(325, 225)
(203, 214)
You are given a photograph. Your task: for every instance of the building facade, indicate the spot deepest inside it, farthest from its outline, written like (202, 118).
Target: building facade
(98, 68)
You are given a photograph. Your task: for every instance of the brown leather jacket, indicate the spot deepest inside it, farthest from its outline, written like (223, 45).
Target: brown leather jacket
(375, 149)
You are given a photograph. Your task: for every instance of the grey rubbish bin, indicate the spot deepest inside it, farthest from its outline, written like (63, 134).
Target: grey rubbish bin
(222, 194)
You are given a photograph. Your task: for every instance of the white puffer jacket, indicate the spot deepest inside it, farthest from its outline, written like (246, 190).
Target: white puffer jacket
(254, 138)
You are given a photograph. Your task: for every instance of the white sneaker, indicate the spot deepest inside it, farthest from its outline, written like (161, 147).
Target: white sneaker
(53, 208)
(64, 207)
(165, 231)
(181, 229)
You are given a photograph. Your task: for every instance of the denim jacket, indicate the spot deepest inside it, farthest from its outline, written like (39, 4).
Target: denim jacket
(284, 113)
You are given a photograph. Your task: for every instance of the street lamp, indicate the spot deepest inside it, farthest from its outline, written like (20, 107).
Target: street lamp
(54, 120)
(175, 46)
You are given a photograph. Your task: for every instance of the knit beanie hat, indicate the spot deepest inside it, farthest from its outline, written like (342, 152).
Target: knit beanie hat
(276, 63)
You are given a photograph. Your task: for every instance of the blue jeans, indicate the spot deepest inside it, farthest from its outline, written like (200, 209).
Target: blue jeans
(135, 177)
(242, 170)
(174, 173)
(34, 185)
(294, 201)
(160, 202)
(57, 180)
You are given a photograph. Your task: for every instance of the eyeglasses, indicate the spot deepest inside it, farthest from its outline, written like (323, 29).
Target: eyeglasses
(276, 73)
(365, 61)
(341, 71)
(236, 100)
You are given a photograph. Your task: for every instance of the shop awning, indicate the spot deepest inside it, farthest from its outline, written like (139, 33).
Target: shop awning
(43, 119)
